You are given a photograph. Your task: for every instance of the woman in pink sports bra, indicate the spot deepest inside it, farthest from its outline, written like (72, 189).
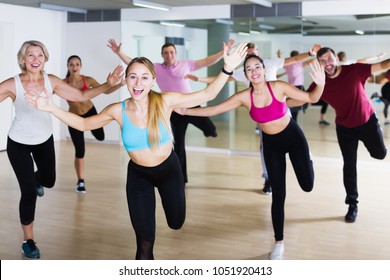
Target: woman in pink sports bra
(83, 109)
(266, 103)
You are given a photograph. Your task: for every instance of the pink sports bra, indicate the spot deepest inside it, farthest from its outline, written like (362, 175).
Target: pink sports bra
(274, 111)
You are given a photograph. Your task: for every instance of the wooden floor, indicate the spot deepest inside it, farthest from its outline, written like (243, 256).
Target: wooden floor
(228, 218)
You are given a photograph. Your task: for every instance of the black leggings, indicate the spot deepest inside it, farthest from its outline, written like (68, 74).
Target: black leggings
(385, 98)
(167, 177)
(292, 141)
(323, 104)
(22, 158)
(78, 136)
(179, 127)
(371, 135)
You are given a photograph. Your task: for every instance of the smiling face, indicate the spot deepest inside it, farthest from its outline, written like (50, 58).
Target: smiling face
(34, 59)
(169, 55)
(254, 69)
(32, 54)
(139, 79)
(330, 63)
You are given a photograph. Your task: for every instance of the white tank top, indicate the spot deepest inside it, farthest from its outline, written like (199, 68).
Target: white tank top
(30, 126)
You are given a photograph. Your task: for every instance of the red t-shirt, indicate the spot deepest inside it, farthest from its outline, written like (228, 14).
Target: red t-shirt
(347, 95)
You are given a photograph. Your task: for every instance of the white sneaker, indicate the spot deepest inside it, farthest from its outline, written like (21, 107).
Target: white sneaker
(277, 252)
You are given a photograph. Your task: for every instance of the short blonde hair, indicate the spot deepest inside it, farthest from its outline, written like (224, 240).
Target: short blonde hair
(23, 49)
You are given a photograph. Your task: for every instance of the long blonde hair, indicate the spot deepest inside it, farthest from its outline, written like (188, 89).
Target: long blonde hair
(155, 106)
(23, 49)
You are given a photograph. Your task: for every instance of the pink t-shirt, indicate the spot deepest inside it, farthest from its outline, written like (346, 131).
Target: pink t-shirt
(295, 73)
(172, 78)
(347, 95)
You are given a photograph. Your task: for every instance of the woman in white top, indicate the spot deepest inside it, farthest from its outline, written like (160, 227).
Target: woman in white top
(30, 138)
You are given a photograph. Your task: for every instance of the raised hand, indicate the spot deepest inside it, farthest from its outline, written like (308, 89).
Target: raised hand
(235, 57)
(112, 44)
(43, 102)
(317, 73)
(116, 76)
(230, 44)
(315, 49)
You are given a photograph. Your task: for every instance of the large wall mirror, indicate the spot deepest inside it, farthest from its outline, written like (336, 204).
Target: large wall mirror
(359, 36)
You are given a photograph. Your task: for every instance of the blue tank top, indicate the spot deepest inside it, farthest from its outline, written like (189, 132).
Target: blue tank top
(135, 138)
(274, 111)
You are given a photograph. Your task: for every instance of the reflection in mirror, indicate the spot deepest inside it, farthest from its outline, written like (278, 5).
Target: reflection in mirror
(297, 33)
(239, 130)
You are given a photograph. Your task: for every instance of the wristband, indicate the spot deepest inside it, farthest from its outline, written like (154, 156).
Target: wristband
(226, 72)
(311, 54)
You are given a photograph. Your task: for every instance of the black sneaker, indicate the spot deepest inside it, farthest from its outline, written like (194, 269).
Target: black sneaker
(374, 95)
(213, 134)
(323, 122)
(80, 187)
(351, 215)
(30, 250)
(267, 187)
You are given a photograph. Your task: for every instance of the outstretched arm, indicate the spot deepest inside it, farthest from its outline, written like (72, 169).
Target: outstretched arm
(379, 79)
(214, 58)
(302, 56)
(70, 93)
(112, 44)
(380, 66)
(371, 58)
(206, 80)
(318, 75)
(92, 83)
(231, 61)
(45, 103)
(229, 104)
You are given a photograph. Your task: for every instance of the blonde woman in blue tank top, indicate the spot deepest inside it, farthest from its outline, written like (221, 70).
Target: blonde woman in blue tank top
(147, 137)
(267, 105)
(30, 138)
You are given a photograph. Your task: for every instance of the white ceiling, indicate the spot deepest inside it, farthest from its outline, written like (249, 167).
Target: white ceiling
(331, 25)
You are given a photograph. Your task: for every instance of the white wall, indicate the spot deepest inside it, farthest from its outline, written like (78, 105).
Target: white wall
(6, 71)
(89, 41)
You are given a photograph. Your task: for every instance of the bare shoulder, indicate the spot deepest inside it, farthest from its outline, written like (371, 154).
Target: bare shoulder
(54, 80)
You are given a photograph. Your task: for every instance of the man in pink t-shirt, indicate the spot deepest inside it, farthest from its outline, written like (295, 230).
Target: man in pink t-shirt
(355, 116)
(170, 76)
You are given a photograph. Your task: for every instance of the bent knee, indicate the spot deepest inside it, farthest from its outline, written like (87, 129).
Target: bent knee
(176, 225)
(307, 187)
(380, 155)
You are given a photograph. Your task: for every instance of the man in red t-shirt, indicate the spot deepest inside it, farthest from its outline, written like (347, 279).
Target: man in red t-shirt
(355, 116)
